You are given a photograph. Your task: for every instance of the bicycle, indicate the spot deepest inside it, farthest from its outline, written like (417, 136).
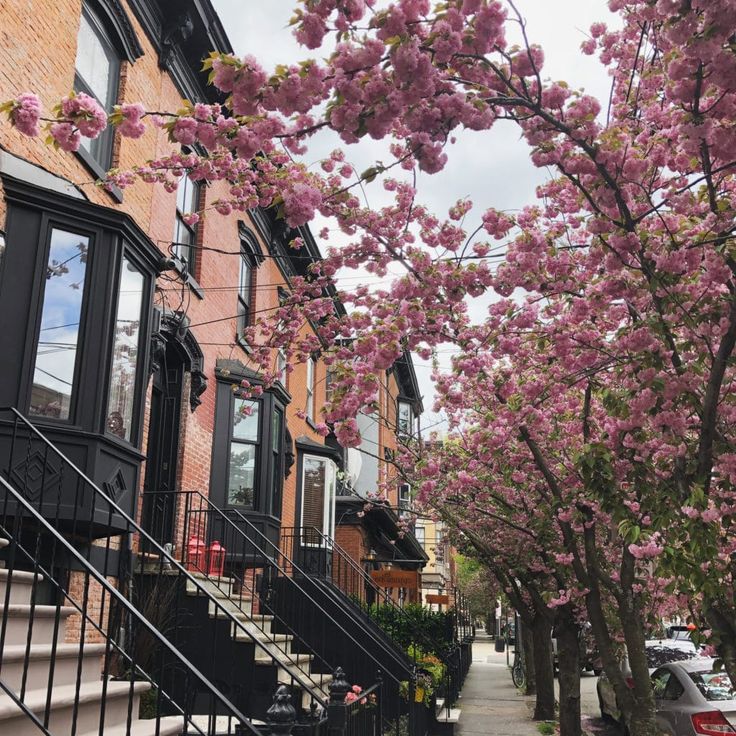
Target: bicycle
(518, 671)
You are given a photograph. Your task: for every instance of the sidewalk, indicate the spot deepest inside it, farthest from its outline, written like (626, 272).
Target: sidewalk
(491, 705)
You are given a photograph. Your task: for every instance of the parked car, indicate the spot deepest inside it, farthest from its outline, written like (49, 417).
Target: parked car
(693, 698)
(659, 652)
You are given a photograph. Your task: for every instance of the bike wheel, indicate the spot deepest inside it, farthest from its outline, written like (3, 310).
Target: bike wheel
(518, 676)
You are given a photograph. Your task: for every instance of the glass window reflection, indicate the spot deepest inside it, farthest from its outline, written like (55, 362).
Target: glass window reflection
(58, 342)
(121, 400)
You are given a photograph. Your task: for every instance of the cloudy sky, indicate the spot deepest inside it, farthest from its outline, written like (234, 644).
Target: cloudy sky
(490, 168)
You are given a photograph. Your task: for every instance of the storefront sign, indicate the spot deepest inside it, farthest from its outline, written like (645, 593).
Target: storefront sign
(434, 598)
(395, 578)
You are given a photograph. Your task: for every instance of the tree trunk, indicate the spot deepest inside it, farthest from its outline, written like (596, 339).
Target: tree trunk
(528, 654)
(725, 633)
(641, 718)
(568, 678)
(544, 709)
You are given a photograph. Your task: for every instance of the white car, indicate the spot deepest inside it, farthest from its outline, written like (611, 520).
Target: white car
(659, 652)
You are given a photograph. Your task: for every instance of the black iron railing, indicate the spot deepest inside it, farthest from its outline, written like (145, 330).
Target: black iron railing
(145, 621)
(323, 556)
(270, 588)
(98, 680)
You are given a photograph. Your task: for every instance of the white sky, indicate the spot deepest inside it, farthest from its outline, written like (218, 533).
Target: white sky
(491, 168)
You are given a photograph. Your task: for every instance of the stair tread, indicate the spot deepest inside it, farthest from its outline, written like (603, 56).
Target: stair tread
(15, 652)
(168, 726)
(20, 575)
(453, 717)
(3, 542)
(284, 660)
(42, 611)
(64, 696)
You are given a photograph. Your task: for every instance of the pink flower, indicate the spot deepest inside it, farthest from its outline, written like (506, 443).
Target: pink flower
(85, 112)
(66, 136)
(131, 126)
(26, 113)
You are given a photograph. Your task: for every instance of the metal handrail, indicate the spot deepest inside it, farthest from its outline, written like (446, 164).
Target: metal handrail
(125, 604)
(165, 556)
(279, 553)
(332, 545)
(26, 710)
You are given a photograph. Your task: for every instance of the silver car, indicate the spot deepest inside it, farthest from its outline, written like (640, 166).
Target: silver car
(658, 652)
(694, 699)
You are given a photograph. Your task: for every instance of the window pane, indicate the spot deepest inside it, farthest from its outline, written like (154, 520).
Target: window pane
(121, 402)
(186, 195)
(245, 424)
(276, 432)
(245, 272)
(313, 492)
(58, 340)
(95, 62)
(281, 367)
(242, 474)
(405, 421)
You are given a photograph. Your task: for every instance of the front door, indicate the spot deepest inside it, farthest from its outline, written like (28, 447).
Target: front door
(159, 489)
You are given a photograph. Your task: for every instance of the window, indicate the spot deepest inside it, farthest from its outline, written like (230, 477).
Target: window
(126, 341)
(419, 534)
(281, 371)
(277, 460)
(61, 315)
(311, 369)
(185, 236)
(97, 71)
(2, 251)
(405, 419)
(318, 494)
(248, 448)
(245, 291)
(404, 496)
(241, 488)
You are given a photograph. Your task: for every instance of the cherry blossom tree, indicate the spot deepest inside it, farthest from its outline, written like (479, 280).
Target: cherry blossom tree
(606, 361)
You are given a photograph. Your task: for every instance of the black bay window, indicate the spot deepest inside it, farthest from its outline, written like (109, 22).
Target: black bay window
(76, 294)
(249, 448)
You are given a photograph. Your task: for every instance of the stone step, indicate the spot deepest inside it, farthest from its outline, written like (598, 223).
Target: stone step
(212, 585)
(21, 585)
(37, 661)
(169, 726)
(18, 623)
(231, 604)
(88, 699)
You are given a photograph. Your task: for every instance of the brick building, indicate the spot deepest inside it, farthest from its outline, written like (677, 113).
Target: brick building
(123, 347)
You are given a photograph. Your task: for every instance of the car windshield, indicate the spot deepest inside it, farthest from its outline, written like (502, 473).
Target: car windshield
(660, 654)
(714, 685)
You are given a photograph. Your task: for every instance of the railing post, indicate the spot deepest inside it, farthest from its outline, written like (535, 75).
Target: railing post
(336, 710)
(281, 716)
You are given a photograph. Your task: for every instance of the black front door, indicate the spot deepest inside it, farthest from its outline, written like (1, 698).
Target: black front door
(159, 490)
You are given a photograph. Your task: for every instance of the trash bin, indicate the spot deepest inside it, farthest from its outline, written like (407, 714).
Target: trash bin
(500, 644)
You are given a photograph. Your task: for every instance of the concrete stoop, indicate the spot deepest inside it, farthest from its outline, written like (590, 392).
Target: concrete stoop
(271, 649)
(76, 682)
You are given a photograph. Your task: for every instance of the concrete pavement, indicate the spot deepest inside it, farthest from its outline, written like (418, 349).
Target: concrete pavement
(491, 705)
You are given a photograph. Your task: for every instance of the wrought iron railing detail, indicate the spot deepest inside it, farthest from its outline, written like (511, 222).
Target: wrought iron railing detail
(150, 606)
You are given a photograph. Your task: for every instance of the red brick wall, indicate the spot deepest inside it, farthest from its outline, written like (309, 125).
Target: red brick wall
(37, 53)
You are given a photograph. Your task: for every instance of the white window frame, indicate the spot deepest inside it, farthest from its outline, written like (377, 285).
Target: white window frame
(328, 511)
(409, 431)
(311, 370)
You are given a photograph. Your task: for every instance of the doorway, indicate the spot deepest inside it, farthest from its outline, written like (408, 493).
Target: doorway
(160, 484)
